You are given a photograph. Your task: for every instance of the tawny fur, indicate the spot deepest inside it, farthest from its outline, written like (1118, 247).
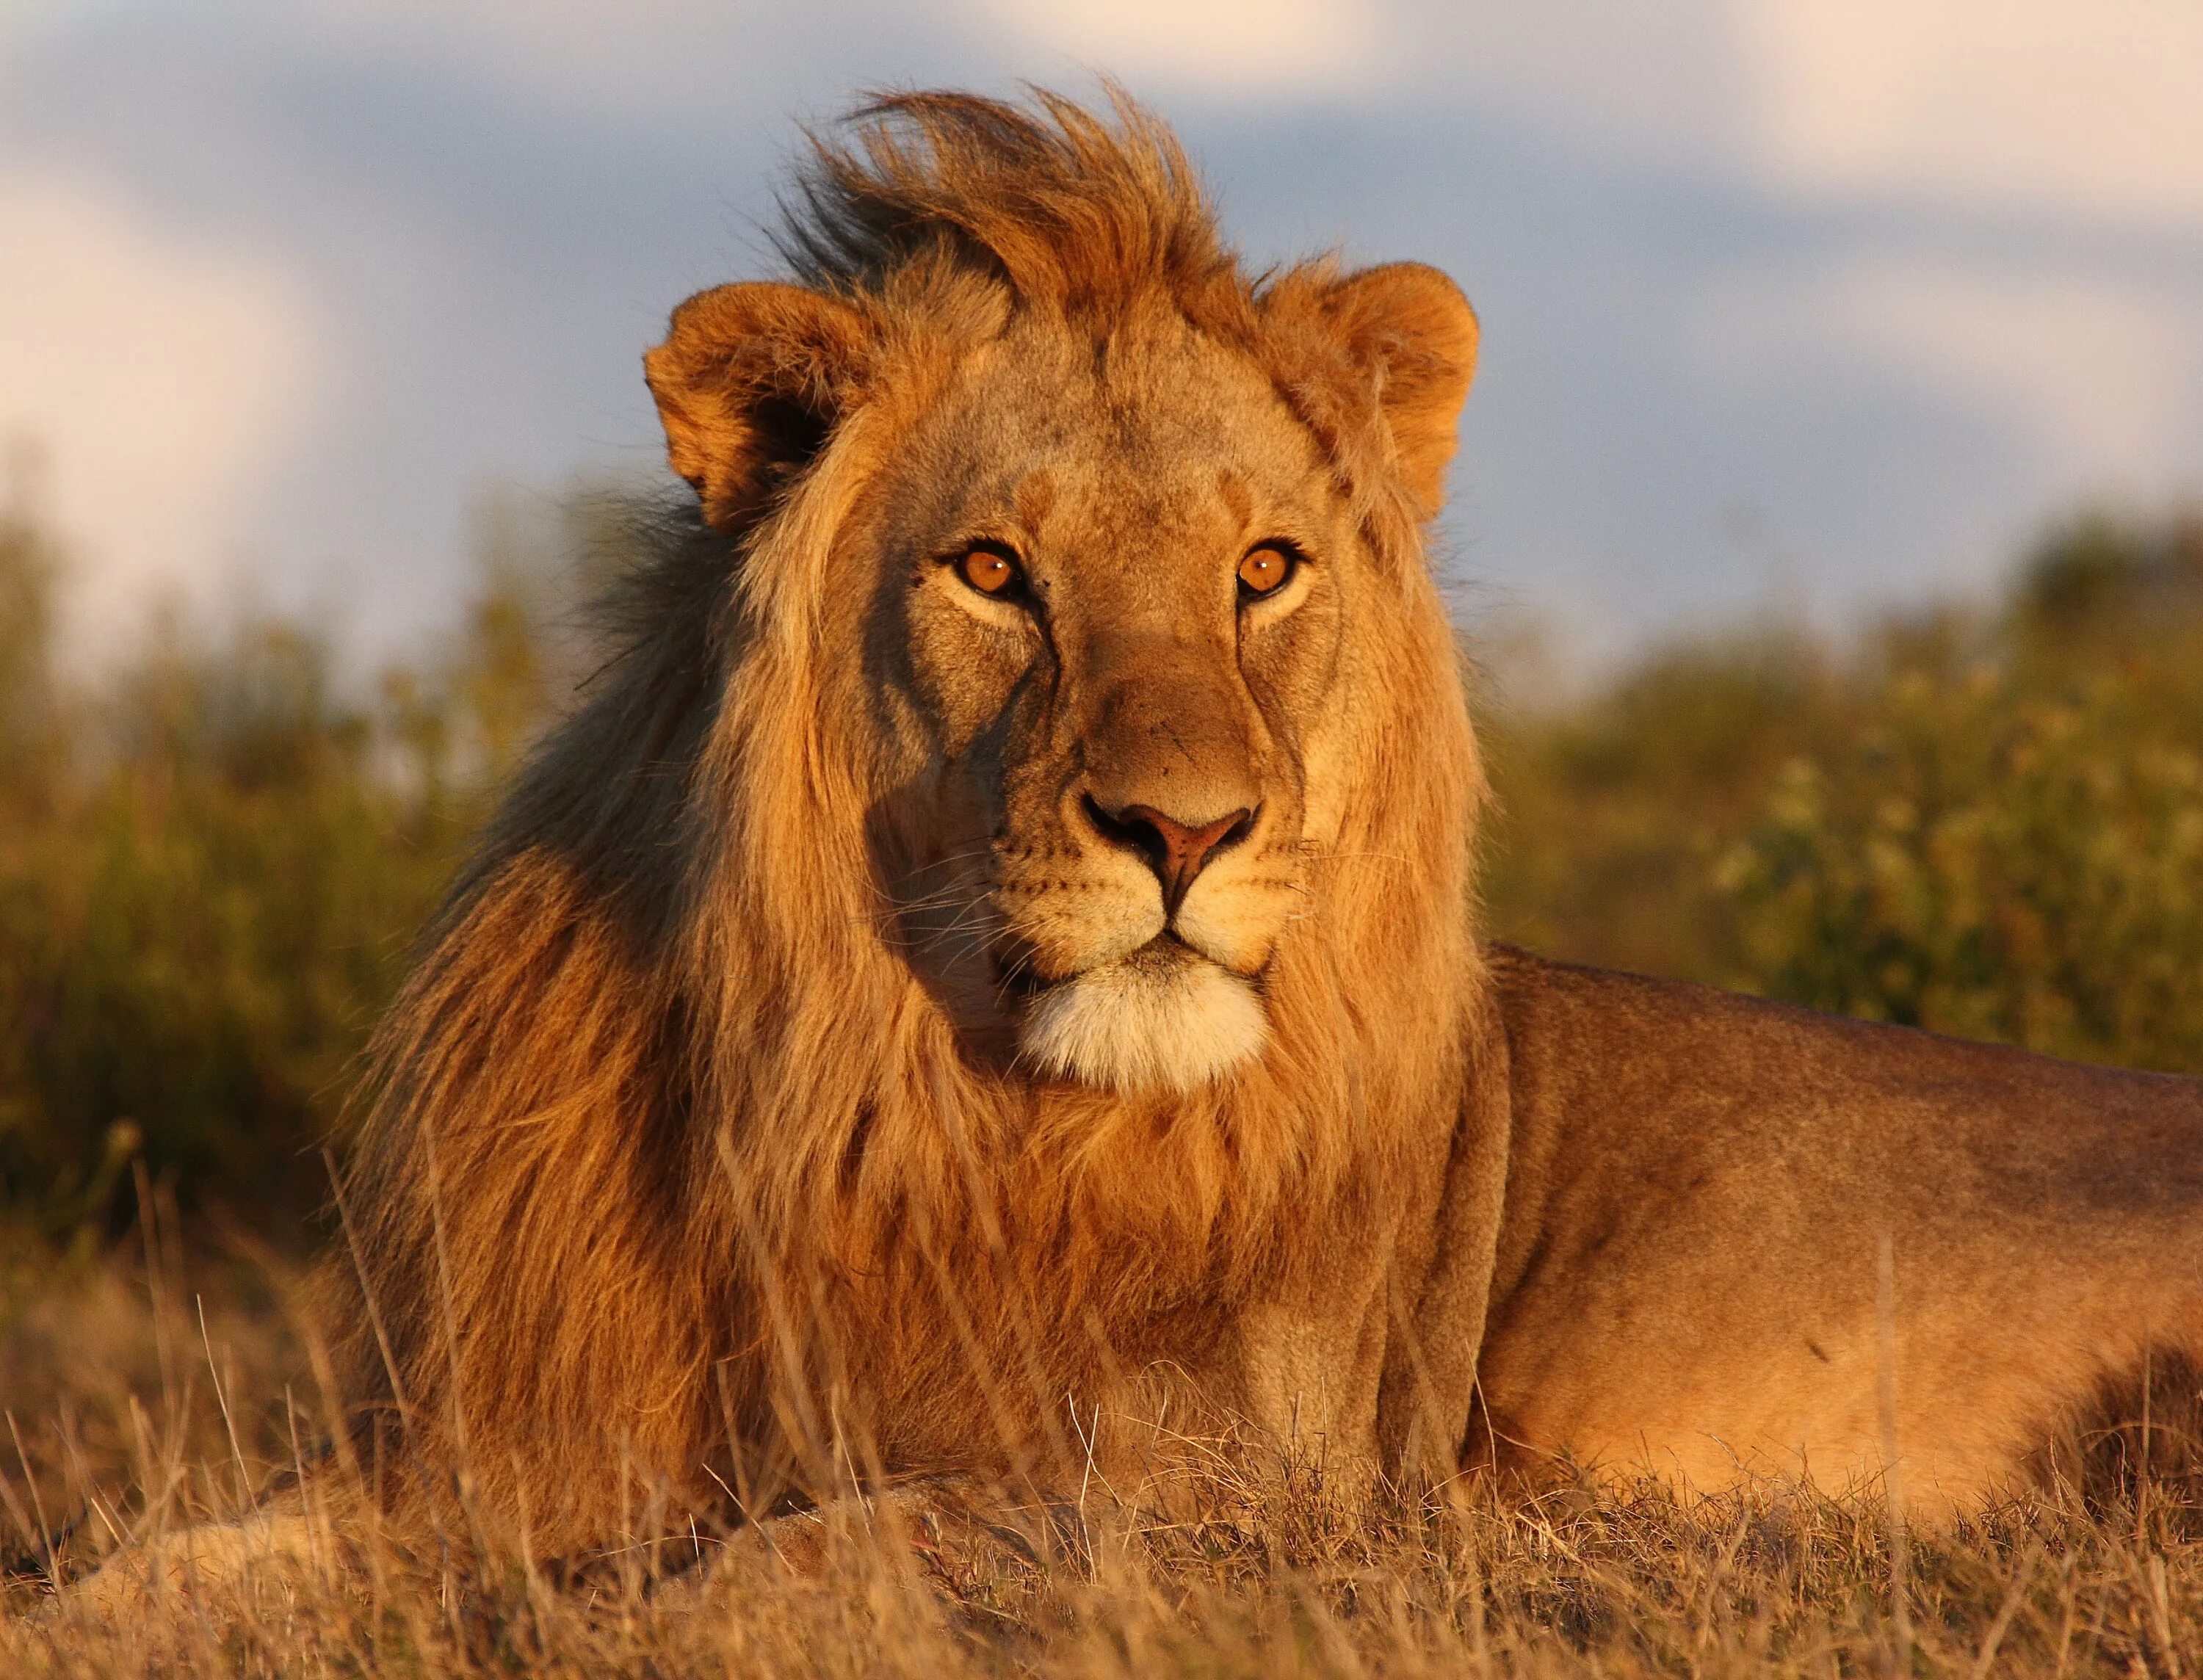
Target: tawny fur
(710, 1159)
(676, 1160)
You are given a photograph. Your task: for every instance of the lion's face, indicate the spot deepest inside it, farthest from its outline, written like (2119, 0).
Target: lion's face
(1100, 616)
(1109, 619)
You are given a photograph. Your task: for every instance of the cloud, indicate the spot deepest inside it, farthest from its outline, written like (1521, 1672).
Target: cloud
(159, 377)
(1901, 415)
(2034, 104)
(688, 64)
(2099, 377)
(1222, 46)
(616, 57)
(1651, 85)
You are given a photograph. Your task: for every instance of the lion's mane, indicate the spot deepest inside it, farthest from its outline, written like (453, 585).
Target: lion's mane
(673, 1170)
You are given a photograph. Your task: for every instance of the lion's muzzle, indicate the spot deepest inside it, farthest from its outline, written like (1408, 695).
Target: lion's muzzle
(1148, 855)
(1177, 851)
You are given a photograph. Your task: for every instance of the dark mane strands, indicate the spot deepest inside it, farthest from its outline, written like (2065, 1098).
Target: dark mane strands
(1072, 214)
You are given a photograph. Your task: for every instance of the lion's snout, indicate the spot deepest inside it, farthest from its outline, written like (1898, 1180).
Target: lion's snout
(1153, 985)
(1152, 817)
(1176, 850)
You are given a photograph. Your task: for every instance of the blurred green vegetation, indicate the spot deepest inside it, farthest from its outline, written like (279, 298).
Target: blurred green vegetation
(214, 853)
(1986, 819)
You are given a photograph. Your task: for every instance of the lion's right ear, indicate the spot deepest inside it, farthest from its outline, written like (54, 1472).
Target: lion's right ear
(1411, 332)
(749, 381)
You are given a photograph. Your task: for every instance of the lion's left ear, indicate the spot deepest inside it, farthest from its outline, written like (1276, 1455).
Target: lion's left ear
(751, 379)
(1409, 329)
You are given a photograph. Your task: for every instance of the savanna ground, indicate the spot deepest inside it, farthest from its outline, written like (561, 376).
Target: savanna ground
(1986, 818)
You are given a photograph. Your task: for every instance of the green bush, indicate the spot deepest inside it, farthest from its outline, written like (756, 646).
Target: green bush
(212, 860)
(1613, 809)
(1989, 824)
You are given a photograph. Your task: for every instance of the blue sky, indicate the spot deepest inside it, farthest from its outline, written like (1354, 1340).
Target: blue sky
(1799, 305)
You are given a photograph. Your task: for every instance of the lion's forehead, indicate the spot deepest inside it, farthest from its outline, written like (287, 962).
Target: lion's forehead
(1062, 433)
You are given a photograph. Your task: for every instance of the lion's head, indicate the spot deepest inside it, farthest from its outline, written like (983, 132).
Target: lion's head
(1017, 877)
(1132, 556)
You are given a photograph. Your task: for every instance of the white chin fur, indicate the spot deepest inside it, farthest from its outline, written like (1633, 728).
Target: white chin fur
(1140, 1025)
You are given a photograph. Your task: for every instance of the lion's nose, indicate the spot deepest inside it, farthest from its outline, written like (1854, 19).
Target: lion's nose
(1177, 851)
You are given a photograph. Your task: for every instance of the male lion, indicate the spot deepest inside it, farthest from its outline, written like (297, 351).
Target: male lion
(996, 951)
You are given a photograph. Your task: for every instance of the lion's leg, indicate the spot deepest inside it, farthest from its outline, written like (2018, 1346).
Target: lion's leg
(287, 1545)
(1308, 1375)
(948, 1530)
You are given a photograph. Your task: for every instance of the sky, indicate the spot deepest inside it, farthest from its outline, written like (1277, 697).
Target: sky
(1795, 306)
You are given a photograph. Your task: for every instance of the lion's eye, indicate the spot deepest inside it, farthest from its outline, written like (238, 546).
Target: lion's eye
(1265, 569)
(991, 571)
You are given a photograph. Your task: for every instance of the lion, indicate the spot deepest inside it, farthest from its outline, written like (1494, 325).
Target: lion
(995, 958)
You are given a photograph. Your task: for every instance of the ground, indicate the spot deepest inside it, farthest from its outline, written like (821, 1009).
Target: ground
(142, 1372)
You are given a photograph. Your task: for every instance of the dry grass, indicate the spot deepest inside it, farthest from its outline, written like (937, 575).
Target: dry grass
(147, 1389)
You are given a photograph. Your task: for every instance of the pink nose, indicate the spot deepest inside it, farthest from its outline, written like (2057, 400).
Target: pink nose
(1176, 851)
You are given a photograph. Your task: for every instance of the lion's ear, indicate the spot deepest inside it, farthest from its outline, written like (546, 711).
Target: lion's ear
(749, 381)
(1410, 329)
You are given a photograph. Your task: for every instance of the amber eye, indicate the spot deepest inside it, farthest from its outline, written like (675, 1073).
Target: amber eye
(991, 571)
(1265, 569)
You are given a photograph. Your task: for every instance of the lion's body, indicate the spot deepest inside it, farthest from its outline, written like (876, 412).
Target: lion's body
(827, 1068)
(1688, 1277)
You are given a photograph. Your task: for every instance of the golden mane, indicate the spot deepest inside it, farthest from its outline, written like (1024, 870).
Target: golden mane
(673, 1167)
(1068, 211)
